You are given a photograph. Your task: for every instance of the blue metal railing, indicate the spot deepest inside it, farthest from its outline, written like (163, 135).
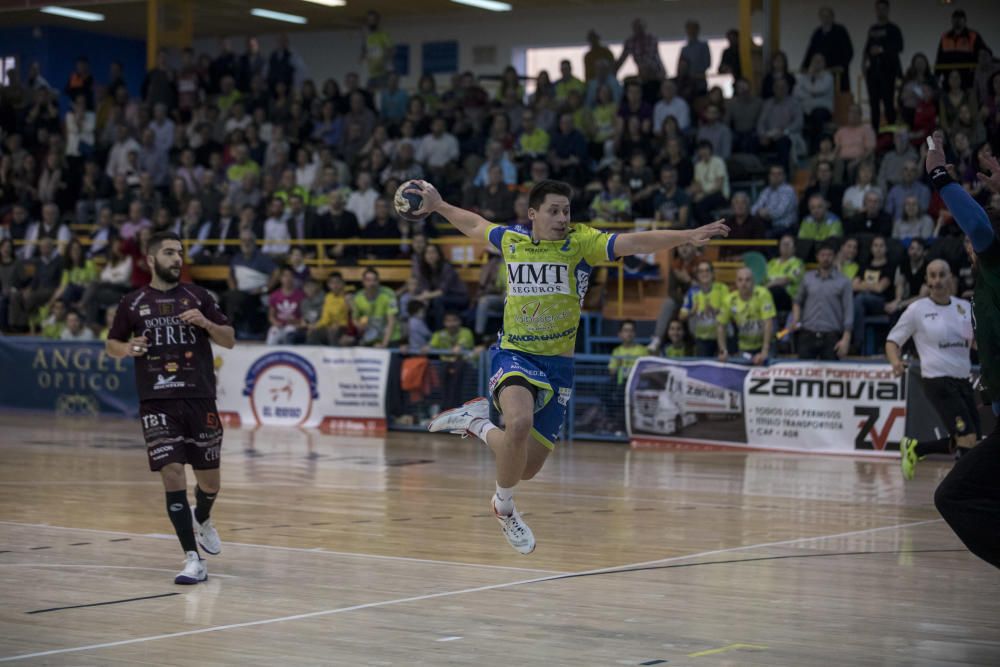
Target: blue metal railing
(595, 410)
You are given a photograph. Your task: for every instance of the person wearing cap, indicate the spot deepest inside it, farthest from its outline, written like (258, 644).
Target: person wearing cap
(596, 53)
(959, 49)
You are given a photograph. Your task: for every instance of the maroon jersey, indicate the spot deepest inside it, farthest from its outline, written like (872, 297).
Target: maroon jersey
(179, 363)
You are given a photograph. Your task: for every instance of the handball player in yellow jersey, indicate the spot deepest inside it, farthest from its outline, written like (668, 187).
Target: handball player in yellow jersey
(548, 264)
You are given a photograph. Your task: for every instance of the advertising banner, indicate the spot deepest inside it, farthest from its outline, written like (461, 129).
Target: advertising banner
(71, 379)
(65, 378)
(825, 407)
(834, 408)
(327, 387)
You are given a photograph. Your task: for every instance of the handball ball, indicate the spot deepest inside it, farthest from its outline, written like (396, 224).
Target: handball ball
(407, 203)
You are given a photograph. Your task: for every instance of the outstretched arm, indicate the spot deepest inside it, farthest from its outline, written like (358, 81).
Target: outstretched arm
(969, 215)
(469, 223)
(643, 242)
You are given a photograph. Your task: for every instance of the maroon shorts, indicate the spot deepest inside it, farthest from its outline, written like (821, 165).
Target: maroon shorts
(182, 431)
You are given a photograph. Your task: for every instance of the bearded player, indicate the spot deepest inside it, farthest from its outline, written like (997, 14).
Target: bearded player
(548, 265)
(168, 327)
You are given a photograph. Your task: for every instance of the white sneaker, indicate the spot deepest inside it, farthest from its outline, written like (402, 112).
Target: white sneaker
(194, 570)
(458, 420)
(515, 529)
(208, 536)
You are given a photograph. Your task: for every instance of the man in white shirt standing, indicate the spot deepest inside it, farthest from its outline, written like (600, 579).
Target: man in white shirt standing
(50, 226)
(670, 104)
(118, 155)
(276, 236)
(438, 150)
(941, 328)
(361, 202)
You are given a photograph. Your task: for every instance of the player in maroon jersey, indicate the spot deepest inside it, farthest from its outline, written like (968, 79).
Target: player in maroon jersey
(168, 327)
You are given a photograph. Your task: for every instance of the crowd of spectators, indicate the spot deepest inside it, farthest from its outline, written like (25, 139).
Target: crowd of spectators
(248, 160)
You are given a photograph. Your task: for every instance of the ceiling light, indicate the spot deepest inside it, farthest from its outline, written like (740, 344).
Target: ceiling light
(491, 5)
(73, 14)
(328, 3)
(279, 16)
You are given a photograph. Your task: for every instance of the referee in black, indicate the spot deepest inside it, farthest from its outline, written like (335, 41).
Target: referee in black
(941, 328)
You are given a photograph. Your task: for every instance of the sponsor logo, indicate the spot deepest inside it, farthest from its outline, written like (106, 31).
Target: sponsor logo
(529, 338)
(212, 453)
(160, 452)
(959, 425)
(854, 389)
(535, 313)
(171, 367)
(77, 405)
(955, 343)
(495, 379)
(144, 311)
(282, 387)
(154, 420)
(537, 278)
(176, 507)
(564, 394)
(582, 284)
(167, 382)
(166, 308)
(169, 330)
(279, 392)
(185, 303)
(869, 435)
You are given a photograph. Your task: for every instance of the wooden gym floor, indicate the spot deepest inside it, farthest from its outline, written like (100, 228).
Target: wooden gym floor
(368, 551)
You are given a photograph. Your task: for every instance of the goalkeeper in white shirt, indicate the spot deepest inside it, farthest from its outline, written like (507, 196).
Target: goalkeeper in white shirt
(941, 328)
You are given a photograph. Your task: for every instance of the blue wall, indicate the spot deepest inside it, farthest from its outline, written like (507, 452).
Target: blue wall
(56, 50)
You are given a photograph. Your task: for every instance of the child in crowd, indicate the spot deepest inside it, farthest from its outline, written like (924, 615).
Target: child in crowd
(285, 310)
(419, 334)
(677, 345)
(623, 358)
(312, 305)
(459, 341)
(334, 320)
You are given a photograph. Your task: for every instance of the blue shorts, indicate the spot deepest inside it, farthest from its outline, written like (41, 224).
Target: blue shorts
(551, 376)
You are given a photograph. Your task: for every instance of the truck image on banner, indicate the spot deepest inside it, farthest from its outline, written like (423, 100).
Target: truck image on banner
(666, 397)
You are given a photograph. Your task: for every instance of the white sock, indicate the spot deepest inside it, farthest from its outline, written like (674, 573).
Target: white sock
(505, 500)
(481, 427)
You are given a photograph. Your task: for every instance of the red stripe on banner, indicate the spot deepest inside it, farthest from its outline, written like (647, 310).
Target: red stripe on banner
(353, 425)
(230, 419)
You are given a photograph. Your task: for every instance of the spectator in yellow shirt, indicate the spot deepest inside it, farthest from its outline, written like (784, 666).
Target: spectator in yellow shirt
(331, 328)
(702, 305)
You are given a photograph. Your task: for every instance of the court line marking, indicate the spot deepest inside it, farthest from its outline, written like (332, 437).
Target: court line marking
(102, 604)
(726, 649)
(312, 550)
(107, 567)
(442, 594)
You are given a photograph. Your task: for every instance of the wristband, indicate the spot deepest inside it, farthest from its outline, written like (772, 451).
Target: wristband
(940, 177)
